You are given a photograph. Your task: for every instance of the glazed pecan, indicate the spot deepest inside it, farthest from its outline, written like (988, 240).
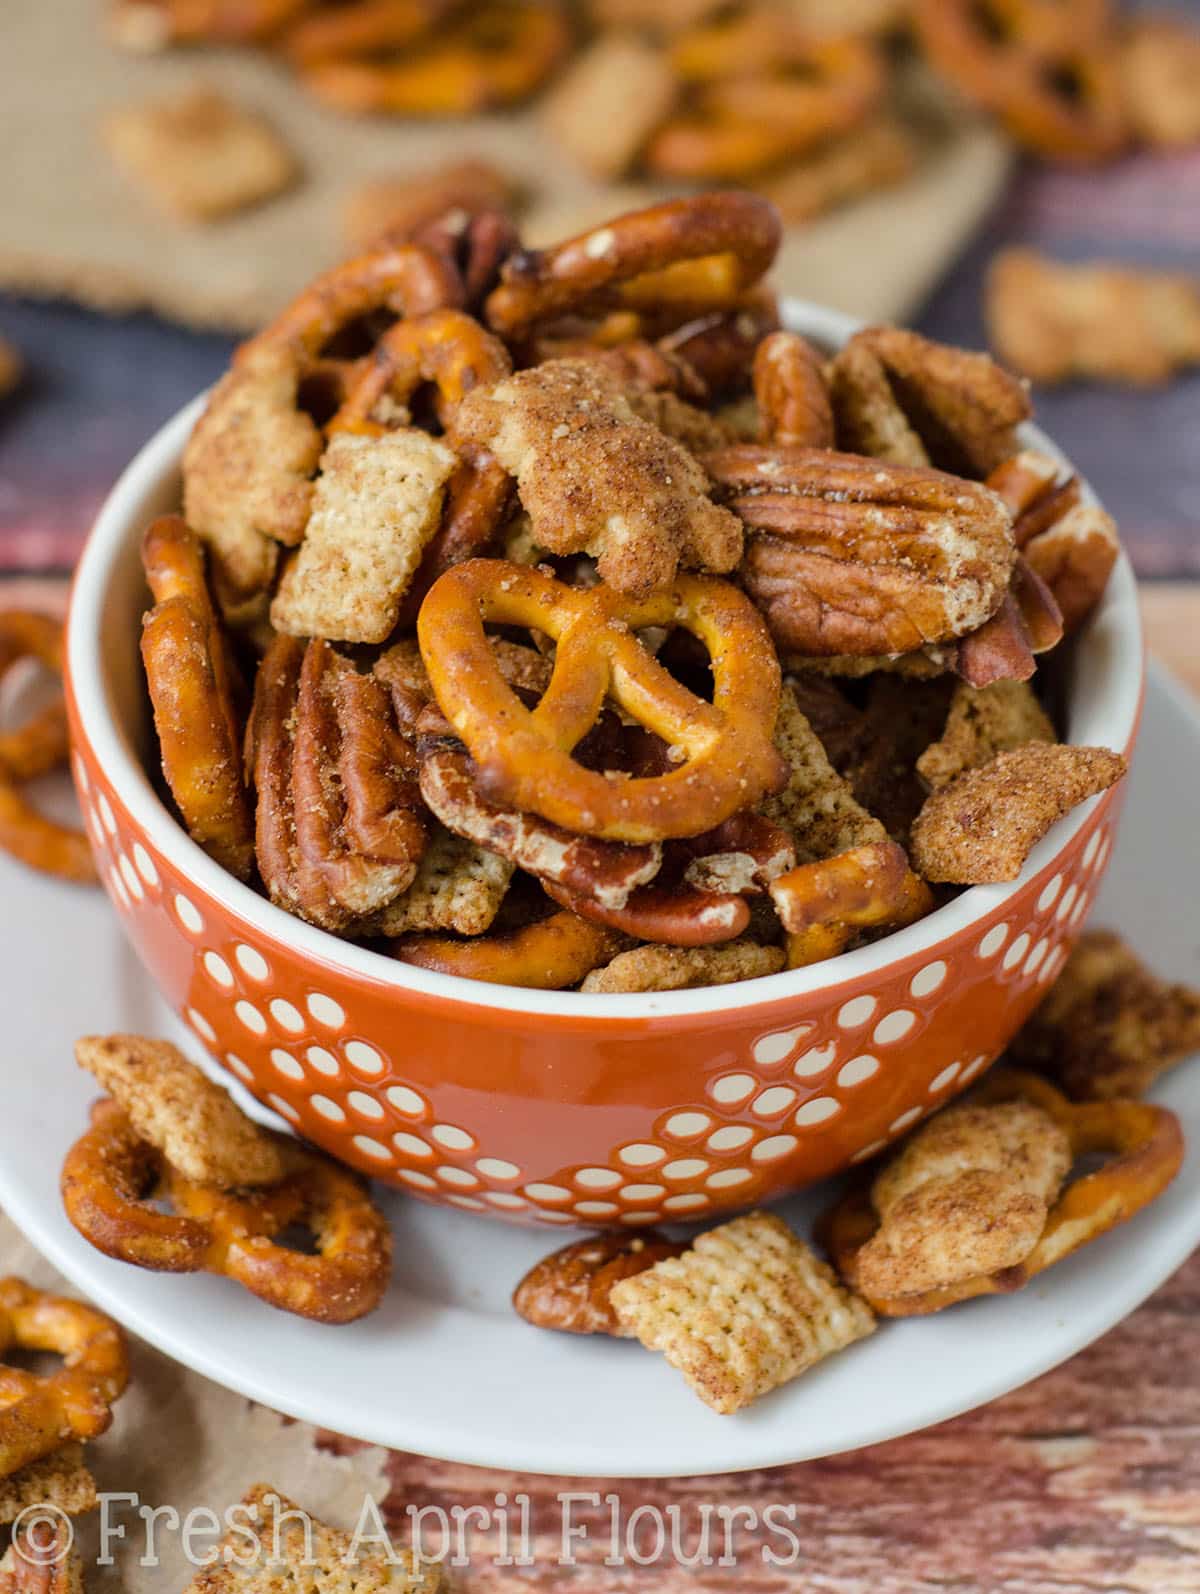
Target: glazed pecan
(853, 555)
(607, 872)
(568, 1290)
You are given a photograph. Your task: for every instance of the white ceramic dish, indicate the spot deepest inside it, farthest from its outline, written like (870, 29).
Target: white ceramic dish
(444, 1368)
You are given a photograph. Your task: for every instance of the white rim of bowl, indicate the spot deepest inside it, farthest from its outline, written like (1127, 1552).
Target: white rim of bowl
(115, 524)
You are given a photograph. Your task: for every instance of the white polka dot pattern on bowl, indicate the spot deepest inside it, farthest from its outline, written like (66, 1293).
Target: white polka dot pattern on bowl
(773, 1096)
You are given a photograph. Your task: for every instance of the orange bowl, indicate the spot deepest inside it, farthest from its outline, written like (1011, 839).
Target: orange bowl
(553, 1106)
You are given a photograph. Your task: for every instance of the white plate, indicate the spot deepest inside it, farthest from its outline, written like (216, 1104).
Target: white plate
(444, 1368)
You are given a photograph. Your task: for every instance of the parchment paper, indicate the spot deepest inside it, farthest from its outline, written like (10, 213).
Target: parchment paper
(178, 1440)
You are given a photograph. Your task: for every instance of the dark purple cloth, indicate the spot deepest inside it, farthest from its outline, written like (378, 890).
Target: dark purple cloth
(99, 386)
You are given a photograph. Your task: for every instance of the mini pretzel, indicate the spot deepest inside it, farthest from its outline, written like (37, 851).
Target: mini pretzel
(452, 351)
(792, 394)
(249, 465)
(776, 96)
(363, 27)
(35, 748)
(1144, 1146)
(41, 1413)
(496, 54)
(1047, 68)
(823, 904)
(697, 254)
(444, 347)
(726, 759)
(551, 955)
(111, 1179)
(189, 674)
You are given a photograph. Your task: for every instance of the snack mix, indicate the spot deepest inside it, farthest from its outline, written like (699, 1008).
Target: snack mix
(172, 1176)
(552, 617)
(979, 1199)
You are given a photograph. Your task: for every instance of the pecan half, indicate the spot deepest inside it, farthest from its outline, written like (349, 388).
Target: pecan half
(606, 872)
(856, 556)
(568, 1290)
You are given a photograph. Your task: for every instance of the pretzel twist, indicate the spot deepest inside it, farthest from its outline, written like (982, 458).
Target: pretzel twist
(364, 27)
(1048, 68)
(33, 749)
(765, 91)
(190, 677)
(496, 54)
(696, 255)
(1144, 1148)
(41, 1413)
(726, 758)
(111, 1178)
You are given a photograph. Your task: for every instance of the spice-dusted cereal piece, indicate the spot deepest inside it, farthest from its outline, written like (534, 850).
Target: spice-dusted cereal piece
(401, 206)
(982, 826)
(901, 397)
(60, 1480)
(569, 1289)
(596, 478)
(748, 1308)
(1159, 64)
(976, 1187)
(816, 805)
(968, 1193)
(1056, 321)
(275, 1545)
(200, 156)
(174, 1106)
(684, 968)
(376, 504)
(1109, 1026)
(608, 102)
(982, 722)
(458, 886)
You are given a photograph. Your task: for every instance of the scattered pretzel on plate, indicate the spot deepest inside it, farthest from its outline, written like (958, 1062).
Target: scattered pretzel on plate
(516, 548)
(171, 1177)
(976, 1203)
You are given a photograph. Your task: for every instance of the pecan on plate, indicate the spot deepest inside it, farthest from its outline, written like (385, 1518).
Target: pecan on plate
(568, 1290)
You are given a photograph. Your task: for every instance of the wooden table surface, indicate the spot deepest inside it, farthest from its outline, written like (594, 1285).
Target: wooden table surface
(1088, 1479)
